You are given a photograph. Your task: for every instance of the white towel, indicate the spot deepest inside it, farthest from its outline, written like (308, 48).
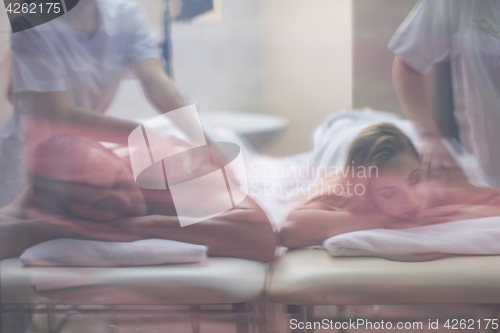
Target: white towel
(74, 252)
(467, 237)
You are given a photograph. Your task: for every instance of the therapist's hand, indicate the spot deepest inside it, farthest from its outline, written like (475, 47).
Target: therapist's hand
(183, 160)
(438, 161)
(411, 88)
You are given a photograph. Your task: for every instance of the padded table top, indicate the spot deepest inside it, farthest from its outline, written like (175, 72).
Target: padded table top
(213, 281)
(313, 276)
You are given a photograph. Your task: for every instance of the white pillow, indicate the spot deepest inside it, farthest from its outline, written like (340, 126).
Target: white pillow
(74, 252)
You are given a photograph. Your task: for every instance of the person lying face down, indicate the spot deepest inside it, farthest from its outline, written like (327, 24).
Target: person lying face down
(81, 190)
(76, 176)
(382, 185)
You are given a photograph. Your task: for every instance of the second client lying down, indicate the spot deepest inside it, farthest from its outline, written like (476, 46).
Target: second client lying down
(393, 192)
(82, 190)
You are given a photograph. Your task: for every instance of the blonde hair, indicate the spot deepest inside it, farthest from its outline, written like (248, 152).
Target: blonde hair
(373, 147)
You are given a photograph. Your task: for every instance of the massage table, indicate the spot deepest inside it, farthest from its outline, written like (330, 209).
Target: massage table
(305, 278)
(216, 286)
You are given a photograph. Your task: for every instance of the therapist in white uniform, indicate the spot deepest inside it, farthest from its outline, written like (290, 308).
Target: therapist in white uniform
(65, 74)
(467, 33)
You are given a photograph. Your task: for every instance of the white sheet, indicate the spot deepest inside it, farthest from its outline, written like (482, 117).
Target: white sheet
(467, 237)
(75, 252)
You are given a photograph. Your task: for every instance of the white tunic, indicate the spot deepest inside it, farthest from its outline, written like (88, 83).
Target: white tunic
(466, 32)
(54, 57)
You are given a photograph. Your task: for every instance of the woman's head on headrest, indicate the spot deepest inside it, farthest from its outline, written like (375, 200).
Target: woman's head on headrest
(378, 144)
(383, 172)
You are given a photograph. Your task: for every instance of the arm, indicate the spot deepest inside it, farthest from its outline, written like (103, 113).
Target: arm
(157, 85)
(411, 92)
(314, 222)
(243, 232)
(410, 89)
(162, 93)
(55, 109)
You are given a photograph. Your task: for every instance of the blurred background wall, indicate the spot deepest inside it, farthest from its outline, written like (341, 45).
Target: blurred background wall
(284, 57)
(306, 53)
(374, 23)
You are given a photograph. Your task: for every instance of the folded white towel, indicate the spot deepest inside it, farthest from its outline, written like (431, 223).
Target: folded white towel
(469, 237)
(74, 252)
